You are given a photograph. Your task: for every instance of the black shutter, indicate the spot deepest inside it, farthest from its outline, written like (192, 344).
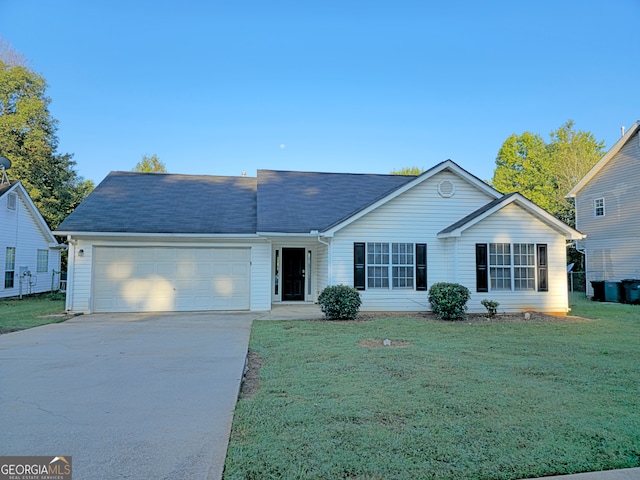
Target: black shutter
(421, 266)
(482, 272)
(359, 279)
(543, 277)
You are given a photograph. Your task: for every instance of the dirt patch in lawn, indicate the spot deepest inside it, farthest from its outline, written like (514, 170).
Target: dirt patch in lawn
(251, 377)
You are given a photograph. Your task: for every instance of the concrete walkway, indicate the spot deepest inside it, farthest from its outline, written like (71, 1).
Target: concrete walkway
(126, 396)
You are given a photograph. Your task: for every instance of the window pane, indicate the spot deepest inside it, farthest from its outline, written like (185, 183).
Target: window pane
(43, 261)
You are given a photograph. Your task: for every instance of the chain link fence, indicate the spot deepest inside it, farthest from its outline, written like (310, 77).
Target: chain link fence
(577, 281)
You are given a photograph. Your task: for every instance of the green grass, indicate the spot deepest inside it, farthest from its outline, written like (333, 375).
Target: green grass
(32, 311)
(485, 400)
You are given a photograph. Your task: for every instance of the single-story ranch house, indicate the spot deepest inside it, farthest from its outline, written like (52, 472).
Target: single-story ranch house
(164, 242)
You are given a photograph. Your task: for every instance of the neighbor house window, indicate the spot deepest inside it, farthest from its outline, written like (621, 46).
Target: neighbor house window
(11, 201)
(9, 267)
(506, 266)
(390, 265)
(43, 261)
(598, 207)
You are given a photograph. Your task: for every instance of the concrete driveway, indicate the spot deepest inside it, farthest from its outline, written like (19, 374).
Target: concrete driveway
(125, 395)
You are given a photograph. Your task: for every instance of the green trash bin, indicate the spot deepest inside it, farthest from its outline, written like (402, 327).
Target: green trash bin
(613, 292)
(598, 290)
(631, 290)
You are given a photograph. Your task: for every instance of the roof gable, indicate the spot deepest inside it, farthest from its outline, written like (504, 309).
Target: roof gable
(132, 202)
(456, 229)
(16, 187)
(446, 165)
(591, 174)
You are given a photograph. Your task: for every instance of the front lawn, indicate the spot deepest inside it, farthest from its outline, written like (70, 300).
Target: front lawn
(480, 400)
(32, 311)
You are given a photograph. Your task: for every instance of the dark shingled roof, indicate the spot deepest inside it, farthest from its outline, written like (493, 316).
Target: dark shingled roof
(134, 202)
(5, 187)
(299, 202)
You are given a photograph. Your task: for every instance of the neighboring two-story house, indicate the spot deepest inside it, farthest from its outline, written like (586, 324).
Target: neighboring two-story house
(608, 212)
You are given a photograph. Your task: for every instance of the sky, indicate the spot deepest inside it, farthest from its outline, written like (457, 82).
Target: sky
(225, 87)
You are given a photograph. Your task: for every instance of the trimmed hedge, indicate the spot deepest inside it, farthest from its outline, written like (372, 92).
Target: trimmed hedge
(340, 302)
(449, 300)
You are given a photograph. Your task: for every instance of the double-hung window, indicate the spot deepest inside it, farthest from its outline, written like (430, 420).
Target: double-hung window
(390, 265)
(9, 267)
(507, 266)
(43, 261)
(598, 207)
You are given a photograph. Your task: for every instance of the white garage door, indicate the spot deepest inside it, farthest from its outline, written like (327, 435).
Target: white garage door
(164, 279)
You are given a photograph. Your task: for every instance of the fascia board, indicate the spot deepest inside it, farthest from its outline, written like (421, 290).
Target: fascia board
(604, 160)
(190, 236)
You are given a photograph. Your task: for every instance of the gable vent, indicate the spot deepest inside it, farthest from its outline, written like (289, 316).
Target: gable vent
(446, 188)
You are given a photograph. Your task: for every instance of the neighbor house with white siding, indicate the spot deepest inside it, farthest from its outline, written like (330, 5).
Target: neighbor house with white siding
(29, 253)
(167, 242)
(608, 212)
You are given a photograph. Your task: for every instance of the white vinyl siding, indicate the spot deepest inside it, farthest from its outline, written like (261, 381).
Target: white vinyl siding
(24, 231)
(414, 217)
(611, 245)
(512, 225)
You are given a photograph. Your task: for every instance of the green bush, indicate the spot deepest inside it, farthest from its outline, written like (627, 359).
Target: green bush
(491, 306)
(449, 300)
(340, 302)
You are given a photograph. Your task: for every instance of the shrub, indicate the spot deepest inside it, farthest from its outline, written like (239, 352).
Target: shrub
(491, 306)
(449, 300)
(340, 302)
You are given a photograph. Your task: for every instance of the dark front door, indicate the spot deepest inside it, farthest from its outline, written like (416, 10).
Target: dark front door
(293, 273)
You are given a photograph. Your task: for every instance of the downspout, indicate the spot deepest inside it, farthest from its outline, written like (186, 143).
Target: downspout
(330, 263)
(71, 265)
(455, 259)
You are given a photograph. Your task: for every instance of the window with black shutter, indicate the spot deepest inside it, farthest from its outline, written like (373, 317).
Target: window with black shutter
(482, 272)
(421, 266)
(543, 278)
(359, 278)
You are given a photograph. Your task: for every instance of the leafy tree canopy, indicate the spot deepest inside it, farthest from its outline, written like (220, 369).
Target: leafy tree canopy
(150, 164)
(408, 171)
(28, 138)
(544, 172)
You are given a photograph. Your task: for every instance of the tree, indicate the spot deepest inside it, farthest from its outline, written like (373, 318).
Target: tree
(408, 171)
(28, 138)
(150, 164)
(545, 172)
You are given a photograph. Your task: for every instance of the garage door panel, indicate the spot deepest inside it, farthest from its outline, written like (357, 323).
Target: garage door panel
(130, 279)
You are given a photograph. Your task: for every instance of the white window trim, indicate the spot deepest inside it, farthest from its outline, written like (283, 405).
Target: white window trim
(511, 266)
(596, 207)
(390, 266)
